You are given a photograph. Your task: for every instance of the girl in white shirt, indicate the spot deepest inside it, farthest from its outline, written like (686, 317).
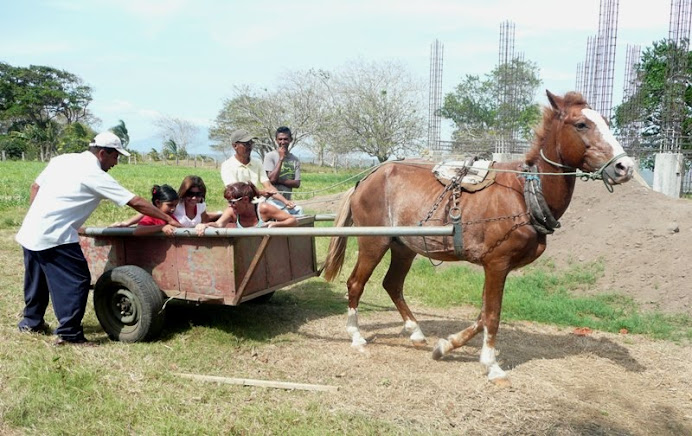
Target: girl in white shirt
(191, 209)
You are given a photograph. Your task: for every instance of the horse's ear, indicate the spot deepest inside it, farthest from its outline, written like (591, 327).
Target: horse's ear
(558, 103)
(555, 101)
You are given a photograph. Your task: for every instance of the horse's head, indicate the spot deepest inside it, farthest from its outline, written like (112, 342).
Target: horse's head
(585, 141)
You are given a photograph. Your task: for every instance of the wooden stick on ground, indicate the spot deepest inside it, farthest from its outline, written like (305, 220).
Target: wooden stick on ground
(261, 383)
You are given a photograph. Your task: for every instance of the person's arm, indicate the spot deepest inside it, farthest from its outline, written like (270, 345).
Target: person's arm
(167, 229)
(274, 172)
(227, 216)
(32, 193)
(274, 217)
(127, 223)
(209, 217)
(271, 190)
(146, 208)
(290, 183)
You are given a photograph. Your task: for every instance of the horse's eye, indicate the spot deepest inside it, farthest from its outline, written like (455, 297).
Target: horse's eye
(581, 126)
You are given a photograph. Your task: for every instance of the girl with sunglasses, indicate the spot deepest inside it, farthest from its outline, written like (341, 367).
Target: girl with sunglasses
(191, 209)
(244, 211)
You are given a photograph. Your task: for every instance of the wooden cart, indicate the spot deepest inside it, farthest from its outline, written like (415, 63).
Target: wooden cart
(132, 276)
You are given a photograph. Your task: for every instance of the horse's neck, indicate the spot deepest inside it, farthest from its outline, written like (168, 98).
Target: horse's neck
(557, 190)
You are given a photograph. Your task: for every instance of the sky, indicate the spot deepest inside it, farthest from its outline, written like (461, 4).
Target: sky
(182, 58)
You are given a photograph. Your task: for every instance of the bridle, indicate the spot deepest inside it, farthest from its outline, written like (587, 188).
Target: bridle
(596, 175)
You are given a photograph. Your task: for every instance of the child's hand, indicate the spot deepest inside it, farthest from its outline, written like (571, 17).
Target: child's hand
(168, 230)
(119, 224)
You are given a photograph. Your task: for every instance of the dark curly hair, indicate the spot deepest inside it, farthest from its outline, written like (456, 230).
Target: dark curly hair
(163, 193)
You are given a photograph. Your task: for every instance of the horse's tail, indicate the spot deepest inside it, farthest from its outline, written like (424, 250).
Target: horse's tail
(337, 246)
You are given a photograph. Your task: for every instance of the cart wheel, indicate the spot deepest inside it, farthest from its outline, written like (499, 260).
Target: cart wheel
(262, 299)
(129, 304)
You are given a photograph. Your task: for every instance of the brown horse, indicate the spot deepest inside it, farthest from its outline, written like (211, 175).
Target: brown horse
(499, 232)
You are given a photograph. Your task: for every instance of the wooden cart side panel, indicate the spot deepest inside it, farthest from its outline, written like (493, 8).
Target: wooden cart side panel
(302, 260)
(245, 250)
(157, 256)
(206, 271)
(102, 254)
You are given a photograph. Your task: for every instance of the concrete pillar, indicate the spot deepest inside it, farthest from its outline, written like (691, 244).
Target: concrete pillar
(668, 170)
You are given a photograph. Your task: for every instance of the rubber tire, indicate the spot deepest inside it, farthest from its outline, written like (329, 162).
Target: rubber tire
(134, 286)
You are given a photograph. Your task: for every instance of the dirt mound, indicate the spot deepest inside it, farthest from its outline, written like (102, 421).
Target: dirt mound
(643, 238)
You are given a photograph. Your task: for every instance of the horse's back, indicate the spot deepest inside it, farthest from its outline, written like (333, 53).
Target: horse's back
(395, 194)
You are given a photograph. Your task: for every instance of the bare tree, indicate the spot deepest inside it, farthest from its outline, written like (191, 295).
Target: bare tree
(370, 108)
(181, 132)
(380, 109)
(298, 102)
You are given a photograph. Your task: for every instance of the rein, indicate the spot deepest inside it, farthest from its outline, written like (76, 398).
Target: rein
(597, 175)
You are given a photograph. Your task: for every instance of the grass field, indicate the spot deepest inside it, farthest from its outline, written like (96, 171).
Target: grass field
(127, 389)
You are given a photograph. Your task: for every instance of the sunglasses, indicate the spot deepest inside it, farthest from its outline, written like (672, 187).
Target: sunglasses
(192, 194)
(234, 200)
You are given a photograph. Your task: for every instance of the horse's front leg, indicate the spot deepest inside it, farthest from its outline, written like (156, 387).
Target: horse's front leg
(493, 290)
(444, 346)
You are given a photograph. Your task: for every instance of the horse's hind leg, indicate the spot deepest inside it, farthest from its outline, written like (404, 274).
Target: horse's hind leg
(402, 258)
(370, 252)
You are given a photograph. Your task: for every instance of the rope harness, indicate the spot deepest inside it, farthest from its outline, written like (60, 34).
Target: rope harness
(541, 218)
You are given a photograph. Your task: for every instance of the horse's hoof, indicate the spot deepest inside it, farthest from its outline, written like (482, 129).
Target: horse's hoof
(358, 342)
(502, 382)
(419, 343)
(440, 349)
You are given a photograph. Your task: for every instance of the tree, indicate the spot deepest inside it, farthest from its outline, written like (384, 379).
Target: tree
(475, 107)
(154, 155)
(120, 130)
(249, 109)
(645, 109)
(38, 101)
(177, 131)
(378, 109)
(298, 102)
(172, 150)
(75, 138)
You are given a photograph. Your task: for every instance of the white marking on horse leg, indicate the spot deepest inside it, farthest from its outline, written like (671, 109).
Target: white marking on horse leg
(441, 349)
(357, 340)
(488, 359)
(417, 336)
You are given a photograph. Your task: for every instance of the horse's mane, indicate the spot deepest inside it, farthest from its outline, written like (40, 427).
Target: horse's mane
(543, 130)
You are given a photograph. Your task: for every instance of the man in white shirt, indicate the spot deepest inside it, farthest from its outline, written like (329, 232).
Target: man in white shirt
(62, 197)
(242, 168)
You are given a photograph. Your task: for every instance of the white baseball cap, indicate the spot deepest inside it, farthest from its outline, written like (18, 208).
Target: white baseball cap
(109, 140)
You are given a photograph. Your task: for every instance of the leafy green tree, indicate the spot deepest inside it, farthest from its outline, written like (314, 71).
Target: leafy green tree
(645, 109)
(75, 138)
(120, 130)
(475, 107)
(154, 155)
(37, 101)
